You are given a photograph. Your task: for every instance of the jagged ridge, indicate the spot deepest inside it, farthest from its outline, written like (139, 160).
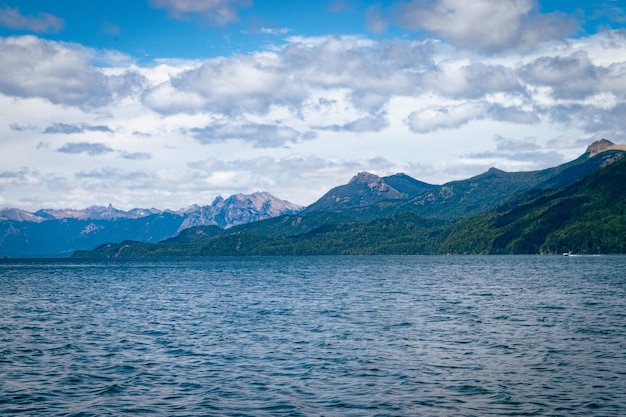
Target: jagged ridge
(54, 232)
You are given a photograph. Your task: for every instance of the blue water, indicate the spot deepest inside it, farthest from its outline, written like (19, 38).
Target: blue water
(311, 336)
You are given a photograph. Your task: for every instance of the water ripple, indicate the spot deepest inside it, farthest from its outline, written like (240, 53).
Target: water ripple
(349, 336)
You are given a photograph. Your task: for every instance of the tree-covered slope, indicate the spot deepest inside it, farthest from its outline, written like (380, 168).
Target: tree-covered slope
(367, 196)
(588, 217)
(395, 235)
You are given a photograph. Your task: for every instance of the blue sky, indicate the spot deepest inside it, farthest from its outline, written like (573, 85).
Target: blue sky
(145, 30)
(167, 103)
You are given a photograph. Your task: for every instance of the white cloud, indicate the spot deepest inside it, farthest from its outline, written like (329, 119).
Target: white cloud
(525, 161)
(435, 118)
(10, 17)
(484, 24)
(64, 128)
(239, 84)
(166, 99)
(505, 144)
(59, 72)
(136, 156)
(374, 123)
(572, 77)
(275, 31)
(85, 147)
(346, 102)
(218, 12)
(462, 79)
(19, 178)
(260, 135)
(363, 66)
(370, 72)
(613, 79)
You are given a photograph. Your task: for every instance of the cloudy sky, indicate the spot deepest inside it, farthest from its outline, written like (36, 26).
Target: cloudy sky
(167, 103)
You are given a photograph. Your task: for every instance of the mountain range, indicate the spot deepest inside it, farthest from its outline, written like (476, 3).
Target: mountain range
(579, 206)
(59, 232)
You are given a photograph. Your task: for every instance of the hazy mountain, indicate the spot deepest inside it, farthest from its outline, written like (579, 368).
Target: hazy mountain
(58, 232)
(237, 209)
(92, 213)
(60, 237)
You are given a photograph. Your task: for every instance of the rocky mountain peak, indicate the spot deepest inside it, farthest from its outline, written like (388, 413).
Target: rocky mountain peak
(599, 146)
(602, 145)
(373, 181)
(238, 209)
(365, 177)
(218, 200)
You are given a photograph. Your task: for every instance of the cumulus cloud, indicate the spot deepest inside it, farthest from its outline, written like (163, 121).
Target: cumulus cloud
(21, 177)
(219, 12)
(59, 72)
(374, 123)
(613, 79)
(343, 84)
(260, 135)
(360, 65)
(276, 31)
(369, 72)
(519, 154)
(20, 127)
(10, 17)
(114, 180)
(532, 160)
(136, 156)
(513, 114)
(167, 100)
(92, 149)
(572, 77)
(67, 129)
(484, 24)
(473, 80)
(591, 119)
(569, 142)
(575, 77)
(436, 117)
(240, 84)
(504, 144)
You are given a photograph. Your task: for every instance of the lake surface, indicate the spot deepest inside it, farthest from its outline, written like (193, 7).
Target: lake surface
(310, 336)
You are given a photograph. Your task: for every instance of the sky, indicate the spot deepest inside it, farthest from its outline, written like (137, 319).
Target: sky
(169, 103)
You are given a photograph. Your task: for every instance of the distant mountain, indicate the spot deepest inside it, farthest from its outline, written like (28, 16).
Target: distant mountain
(60, 237)
(579, 207)
(237, 209)
(365, 189)
(91, 213)
(18, 215)
(59, 232)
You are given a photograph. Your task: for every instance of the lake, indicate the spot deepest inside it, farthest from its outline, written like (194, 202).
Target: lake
(311, 336)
